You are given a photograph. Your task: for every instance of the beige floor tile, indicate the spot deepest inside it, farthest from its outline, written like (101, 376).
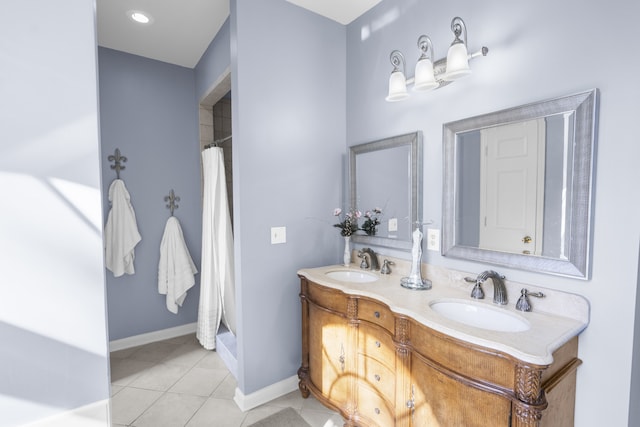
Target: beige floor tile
(218, 413)
(130, 403)
(154, 352)
(177, 383)
(211, 360)
(125, 371)
(170, 410)
(200, 382)
(186, 355)
(115, 389)
(160, 377)
(312, 404)
(322, 418)
(293, 400)
(226, 389)
(260, 413)
(123, 354)
(183, 339)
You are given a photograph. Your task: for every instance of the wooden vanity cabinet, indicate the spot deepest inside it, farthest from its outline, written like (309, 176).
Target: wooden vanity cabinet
(328, 345)
(382, 369)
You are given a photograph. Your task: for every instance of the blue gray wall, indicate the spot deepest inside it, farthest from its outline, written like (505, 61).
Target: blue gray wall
(149, 111)
(526, 63)
(468, 200)
(214, 61)
(289, 123)
(53, 335)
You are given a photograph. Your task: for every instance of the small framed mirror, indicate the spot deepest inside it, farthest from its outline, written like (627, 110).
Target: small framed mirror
(518, 186)
(387, 175)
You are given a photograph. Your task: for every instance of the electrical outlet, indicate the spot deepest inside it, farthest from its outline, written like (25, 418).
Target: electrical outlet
(393, 224)
(278, 235)
(433, 239)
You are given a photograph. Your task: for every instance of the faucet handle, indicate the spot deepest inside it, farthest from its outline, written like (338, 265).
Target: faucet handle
(477, 291)
(385, 267)
(363, 264)
(523, 303)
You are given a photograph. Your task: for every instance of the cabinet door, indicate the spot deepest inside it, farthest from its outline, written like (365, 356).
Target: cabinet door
(441, 401)
(329, 368)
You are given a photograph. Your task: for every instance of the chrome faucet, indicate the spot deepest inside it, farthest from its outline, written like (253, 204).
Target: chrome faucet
(499, 289)
(372, 262)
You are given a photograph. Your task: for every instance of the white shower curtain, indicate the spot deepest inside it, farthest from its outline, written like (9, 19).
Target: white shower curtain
(217, 285)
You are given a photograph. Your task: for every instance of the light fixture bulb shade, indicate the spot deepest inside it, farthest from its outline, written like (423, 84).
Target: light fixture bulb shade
(397, 87)
(424, 78)
(457, 62)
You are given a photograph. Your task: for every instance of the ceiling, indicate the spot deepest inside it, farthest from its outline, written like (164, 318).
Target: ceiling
(180, 31)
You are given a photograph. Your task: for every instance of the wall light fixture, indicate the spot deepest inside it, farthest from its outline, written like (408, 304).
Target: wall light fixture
(429, 73)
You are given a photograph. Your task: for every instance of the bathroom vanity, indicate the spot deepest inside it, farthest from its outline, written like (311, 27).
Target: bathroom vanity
(382, 356)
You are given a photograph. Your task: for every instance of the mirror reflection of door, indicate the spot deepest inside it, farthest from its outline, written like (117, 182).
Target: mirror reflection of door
(512, 187)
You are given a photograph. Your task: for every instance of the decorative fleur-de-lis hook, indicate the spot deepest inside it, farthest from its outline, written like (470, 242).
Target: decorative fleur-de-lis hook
(172, 199)
(117, 158)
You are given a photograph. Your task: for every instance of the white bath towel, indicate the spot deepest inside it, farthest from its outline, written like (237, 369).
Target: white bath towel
(176, 269)
(121, 231)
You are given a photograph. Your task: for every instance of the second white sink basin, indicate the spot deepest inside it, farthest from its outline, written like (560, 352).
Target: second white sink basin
(352, 276)
(480, 315)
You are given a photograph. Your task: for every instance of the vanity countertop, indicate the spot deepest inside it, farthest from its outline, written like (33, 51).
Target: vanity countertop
(554, 320)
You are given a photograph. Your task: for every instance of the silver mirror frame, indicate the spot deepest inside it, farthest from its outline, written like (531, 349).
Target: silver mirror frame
(414, 141)
(578, 262)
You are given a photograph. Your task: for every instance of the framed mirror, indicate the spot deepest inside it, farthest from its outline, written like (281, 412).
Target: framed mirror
(518, 186)
(387, 175)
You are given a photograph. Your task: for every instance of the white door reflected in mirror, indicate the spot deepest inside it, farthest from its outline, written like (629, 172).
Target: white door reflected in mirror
(512, 187)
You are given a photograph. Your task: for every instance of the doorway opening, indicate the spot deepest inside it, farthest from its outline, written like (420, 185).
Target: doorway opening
(216, 130)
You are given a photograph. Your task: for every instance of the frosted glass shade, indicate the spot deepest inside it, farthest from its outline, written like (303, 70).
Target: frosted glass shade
(397, 87)
(424, 78)
(457, 62)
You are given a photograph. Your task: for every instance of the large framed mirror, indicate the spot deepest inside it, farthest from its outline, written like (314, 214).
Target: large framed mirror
(518, 186)
(387, 174)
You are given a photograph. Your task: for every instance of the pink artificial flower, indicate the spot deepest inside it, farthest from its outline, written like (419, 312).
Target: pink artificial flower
(337, 211)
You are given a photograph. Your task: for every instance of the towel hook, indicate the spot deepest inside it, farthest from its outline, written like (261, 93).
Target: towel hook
(172, 199)
(117, 158)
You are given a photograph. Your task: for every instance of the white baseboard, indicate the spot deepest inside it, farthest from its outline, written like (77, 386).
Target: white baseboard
(154, 336)
(264, 395)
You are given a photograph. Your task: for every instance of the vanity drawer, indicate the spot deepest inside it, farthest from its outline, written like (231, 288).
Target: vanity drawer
(377, 343)
(326, 297)
(376, 313)
(375, 408)
(378, 376)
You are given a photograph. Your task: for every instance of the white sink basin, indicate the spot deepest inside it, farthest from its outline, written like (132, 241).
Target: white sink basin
(480, 315)
(352, 276)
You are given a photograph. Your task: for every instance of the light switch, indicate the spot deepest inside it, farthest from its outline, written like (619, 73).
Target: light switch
(433, 239)
(393, 224)
(278, 235)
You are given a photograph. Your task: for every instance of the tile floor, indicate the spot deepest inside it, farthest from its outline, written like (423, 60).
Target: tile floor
(177, 383)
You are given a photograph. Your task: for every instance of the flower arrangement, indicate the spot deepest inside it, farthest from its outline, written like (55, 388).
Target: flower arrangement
(372, 221)
(348, 223)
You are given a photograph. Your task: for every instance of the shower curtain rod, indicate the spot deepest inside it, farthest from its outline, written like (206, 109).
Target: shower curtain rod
(218, 141)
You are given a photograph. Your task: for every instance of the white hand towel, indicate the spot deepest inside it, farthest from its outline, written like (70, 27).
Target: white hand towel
(121, 231)
(176, 269)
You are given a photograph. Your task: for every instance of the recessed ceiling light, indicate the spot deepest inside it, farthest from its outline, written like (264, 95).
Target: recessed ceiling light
(140, 17)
